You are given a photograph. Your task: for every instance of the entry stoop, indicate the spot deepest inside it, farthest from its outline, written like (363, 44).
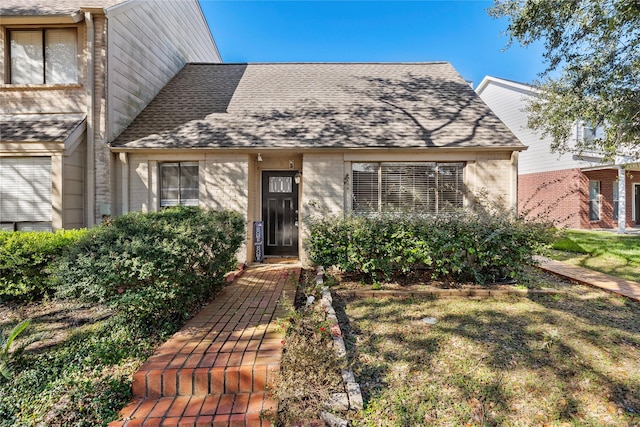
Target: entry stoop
(215, 370)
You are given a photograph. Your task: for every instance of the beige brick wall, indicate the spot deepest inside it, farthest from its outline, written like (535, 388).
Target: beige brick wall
(322, 189)
(224, 184)
(493, 176)
(104, 167)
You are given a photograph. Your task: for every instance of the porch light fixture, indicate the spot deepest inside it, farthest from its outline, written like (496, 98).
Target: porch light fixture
(297, 177)
(259, 157)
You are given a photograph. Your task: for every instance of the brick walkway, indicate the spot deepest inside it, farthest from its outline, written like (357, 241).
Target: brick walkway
(627, 288)
(213, 372)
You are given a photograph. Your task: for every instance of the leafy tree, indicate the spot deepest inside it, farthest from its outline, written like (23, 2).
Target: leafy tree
(592, 68)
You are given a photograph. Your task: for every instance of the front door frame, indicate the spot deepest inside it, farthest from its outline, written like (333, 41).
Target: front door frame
(290, 217)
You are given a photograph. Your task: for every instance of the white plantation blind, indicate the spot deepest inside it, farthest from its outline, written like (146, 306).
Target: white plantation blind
(61, 56)
(44, 56)
(413, 187)
(27, 65)
(179, 183)
(25, 191)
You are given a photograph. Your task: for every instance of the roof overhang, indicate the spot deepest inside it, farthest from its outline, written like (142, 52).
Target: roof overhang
(45, 133)
(72, 18)
(313, 150)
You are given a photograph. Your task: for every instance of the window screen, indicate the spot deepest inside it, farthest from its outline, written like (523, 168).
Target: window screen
(179, 183)
(425, 187)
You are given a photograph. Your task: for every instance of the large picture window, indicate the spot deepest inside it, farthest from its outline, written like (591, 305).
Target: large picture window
(44, 56)
(594, 200)
(179, 184)
(424, 187)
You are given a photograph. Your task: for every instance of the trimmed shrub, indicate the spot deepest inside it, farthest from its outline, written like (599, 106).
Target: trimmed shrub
(462, 246)
(25, 257)
(153, 267)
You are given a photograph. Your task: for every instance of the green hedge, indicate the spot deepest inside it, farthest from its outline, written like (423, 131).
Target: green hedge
(462, 246)
(153, 267)
(25, 258)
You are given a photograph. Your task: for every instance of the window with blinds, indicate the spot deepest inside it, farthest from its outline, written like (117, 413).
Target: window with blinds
(39, 56)
(179, 184)
(415, 187)
(25, 193)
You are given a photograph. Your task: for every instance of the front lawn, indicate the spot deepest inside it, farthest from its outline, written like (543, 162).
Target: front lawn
(557, 360)
(607, 252)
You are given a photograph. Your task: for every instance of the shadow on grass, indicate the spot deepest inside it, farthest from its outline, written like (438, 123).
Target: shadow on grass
(481, 353)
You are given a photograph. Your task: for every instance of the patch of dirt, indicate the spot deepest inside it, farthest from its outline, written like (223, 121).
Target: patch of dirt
(51, 321)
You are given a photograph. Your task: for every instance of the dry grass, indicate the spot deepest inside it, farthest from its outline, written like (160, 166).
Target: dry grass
(548, 360)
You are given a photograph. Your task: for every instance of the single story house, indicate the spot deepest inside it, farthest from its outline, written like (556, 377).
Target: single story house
(281, 141)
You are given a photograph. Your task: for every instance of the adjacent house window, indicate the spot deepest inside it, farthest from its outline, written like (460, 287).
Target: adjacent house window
(594, 200)
(179, 184)
(423, 187)
(616, 202)
(43, 56)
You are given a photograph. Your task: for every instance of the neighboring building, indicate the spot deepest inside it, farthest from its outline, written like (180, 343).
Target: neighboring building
(574, 191)
(280, 142)
(73, 75)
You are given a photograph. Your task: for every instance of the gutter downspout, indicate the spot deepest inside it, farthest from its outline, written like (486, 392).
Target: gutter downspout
(91, 165)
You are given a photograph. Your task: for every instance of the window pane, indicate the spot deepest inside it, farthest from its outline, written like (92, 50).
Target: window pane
(450, 194)
(365, 187)
(169, 184)
(280, 184)
(408, 187)
(189, 183)
(27, 65)
(594, 200)
(615, 200)
(61, 56)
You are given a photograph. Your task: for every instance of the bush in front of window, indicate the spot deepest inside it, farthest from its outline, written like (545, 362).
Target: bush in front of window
(463, 246)
(153, 267)
(25, 257)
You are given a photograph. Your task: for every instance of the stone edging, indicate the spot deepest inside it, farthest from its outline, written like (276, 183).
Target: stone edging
(352, 399)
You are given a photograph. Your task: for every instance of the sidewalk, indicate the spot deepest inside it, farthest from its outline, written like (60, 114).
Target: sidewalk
(214, 371)
(627, 288)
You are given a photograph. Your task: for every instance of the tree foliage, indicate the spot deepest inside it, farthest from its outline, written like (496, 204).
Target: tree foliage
(592, 55)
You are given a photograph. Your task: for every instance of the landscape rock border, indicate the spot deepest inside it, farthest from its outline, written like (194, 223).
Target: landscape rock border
(352, 399)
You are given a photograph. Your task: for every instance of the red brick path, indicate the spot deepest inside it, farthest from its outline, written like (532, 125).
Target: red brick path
(213, 372)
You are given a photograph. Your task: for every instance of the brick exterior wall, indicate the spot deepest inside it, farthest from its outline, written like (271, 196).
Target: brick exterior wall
(323, 190)
(563, 197)
(103, 161)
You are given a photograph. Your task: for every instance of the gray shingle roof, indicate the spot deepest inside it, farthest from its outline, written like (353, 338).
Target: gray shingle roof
(50, 7)
(38, 127)
(313, 105)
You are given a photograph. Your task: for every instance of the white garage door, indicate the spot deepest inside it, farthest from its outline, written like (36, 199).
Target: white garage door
(25, 193)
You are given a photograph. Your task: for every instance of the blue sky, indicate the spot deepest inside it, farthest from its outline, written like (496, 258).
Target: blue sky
(460, 32)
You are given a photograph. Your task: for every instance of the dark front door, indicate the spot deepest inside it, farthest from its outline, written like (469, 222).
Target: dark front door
(280, 213)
